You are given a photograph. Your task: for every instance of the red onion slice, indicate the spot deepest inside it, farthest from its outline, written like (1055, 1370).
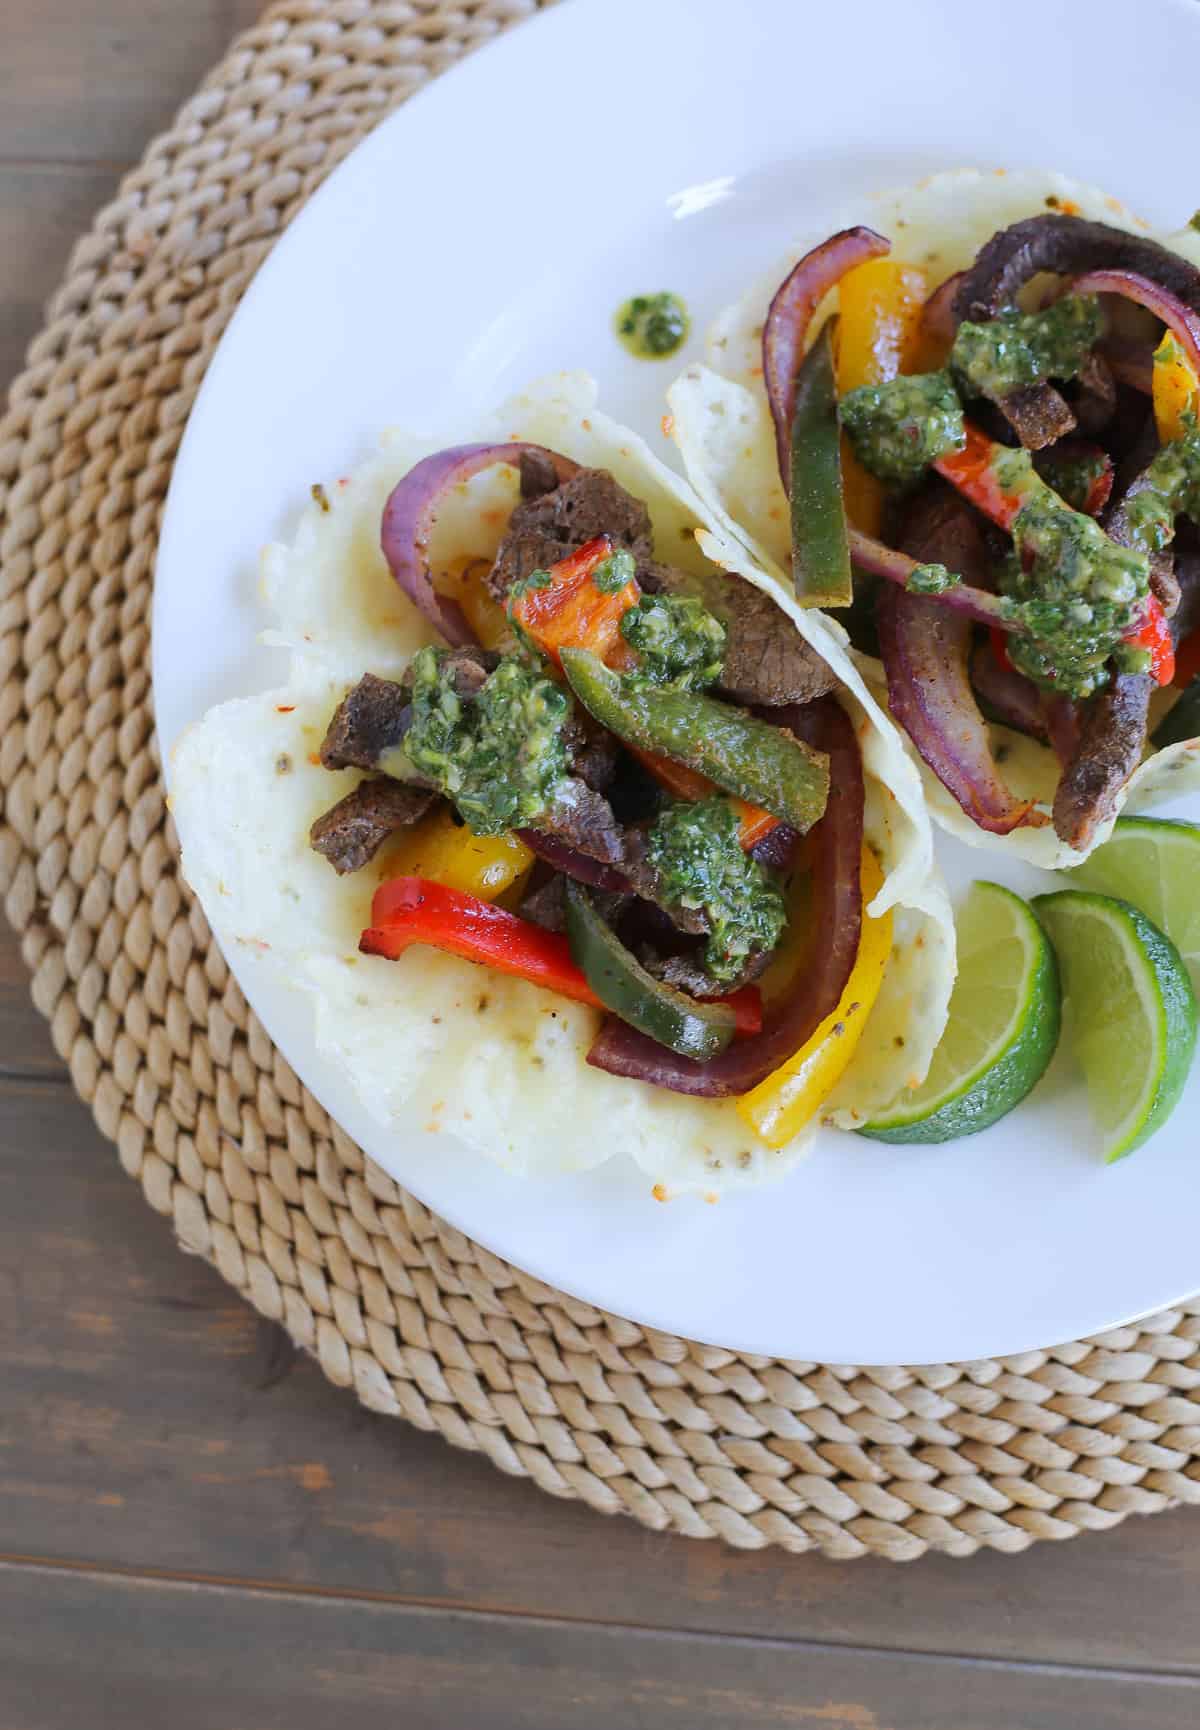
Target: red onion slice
(1179, 318)
(574, 864)
(884, 561)
(924, 650)
(791, 313)
(938, 323)
(835, 922)
(410, 514)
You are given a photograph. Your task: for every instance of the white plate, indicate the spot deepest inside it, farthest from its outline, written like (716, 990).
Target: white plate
(482, 236)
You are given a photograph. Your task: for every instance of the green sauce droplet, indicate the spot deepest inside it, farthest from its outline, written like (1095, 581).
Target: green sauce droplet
(652, 326)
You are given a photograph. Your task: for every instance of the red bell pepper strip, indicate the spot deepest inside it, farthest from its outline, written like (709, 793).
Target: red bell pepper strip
(972, 471)
(571, 612)
(1154, 633)
(412, 910)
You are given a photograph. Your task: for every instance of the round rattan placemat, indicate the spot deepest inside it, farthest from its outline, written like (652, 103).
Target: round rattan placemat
(418, 1320)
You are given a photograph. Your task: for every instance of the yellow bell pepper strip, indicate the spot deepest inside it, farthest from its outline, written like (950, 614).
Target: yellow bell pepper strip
(1176, 389)
(463, 581)
(779, 1107)
(448, 853)
(878, 336)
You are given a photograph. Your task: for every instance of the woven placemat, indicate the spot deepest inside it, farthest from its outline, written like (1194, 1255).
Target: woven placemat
(418, 1320)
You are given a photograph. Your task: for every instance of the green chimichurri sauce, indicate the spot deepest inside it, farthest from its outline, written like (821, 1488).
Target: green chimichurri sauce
(679, 641)
(695, 849)
(1073, 590)
(1072, 473)
(652, 326)
(1021, 348)
(500, 757)
(899, 428)
(931, 579)
(1169, 488)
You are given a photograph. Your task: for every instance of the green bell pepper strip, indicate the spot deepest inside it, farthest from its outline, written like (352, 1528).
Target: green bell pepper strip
(742, 755)
(683, 1024)
(820, 537)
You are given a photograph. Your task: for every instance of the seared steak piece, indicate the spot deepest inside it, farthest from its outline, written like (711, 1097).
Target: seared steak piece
(687, 973)
(593, 752)
(1038, 414)
(548, 525)
(537, 471)
(766, 659)
(369, 720)
(355, 829)
(584, 819)
(546, 905)
(1094, 395)
(1067, 246)
(374, 716)
(1112, 736)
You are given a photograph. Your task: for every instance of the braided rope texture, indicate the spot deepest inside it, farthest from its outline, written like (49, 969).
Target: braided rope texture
(419, 1321)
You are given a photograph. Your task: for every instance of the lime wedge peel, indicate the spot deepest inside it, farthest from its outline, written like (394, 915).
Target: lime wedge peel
(1131, 1012)
(1154, 863)
(1002, 1030)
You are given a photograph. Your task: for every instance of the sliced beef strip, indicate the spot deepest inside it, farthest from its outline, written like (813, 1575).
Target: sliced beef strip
(584, 819)
(767, 661)
(370, 719)
(546, 905)
(1112, 736)
(1066, 246)
(548, 525)
(1038, 414)
(537, 472)
(593, 751)
(352, 832)
(1094, 395)
(687, 973)
(374, 716)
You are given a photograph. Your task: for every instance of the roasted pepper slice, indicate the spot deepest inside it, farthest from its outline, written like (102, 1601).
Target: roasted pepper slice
(737, 752)
(779, 1107)
(447, 852)
(1176, 389)
(878, 336)
(1154, 635)
(820, 539)
(753, 825)
(670, 1017)
(580, 602)
(411, 910)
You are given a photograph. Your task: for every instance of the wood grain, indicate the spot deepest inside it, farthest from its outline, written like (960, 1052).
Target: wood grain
(152, 1422)
(201, 1531)
(93, 80)
(184, 1655)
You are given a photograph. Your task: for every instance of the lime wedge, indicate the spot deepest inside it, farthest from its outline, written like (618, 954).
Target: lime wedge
(1131, 1011)
(1155, 863)
(1002, 1029)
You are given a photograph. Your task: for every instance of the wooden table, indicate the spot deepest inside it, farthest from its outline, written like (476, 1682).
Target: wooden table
(196, 1530)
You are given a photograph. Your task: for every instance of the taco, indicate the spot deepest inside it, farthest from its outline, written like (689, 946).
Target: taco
(1006, 529)
(572, 829)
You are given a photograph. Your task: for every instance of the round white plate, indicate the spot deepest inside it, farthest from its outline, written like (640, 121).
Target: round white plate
(483, 236)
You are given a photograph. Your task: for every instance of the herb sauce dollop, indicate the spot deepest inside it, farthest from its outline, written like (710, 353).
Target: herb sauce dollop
(653, 326)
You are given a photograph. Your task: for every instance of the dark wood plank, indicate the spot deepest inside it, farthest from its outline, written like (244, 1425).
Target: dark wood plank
(151, 1421)
(43, 210)
(82, 80)
(79, 1650)
(25, 1045)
